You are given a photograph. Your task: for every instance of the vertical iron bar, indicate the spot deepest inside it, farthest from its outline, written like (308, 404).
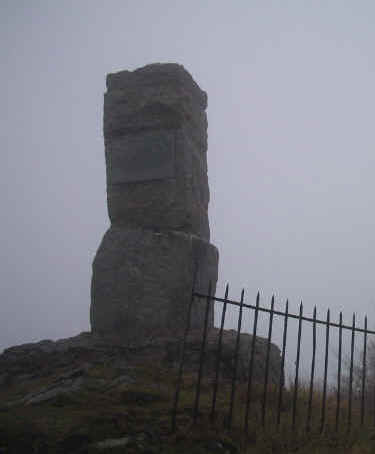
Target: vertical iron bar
(295, 394)
(372, 365)
(373, 395)
(182, 359)
(282, 375)
(251, 364)
(218, 358)
(309, 409)
(339, 375)
(325, 377)
(264, 402)
(364, 374)
(233, 391)
(351, 377)
(202, 354)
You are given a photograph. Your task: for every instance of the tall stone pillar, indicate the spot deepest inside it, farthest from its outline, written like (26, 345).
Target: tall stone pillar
(155, 134)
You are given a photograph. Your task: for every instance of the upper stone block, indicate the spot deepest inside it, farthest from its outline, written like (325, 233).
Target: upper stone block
(155, 131)
(155, 96)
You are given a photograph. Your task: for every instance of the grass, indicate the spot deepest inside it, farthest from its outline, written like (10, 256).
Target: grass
(274, 438)
(142, 411)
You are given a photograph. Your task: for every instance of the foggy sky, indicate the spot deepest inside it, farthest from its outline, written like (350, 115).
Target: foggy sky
(290, 154)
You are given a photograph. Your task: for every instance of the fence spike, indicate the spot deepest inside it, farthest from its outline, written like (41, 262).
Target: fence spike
(282, 375)
(233, 391)
(351, 376)
(264, 400)
(202, 353)
(322, 423)
(182, 359)
(364, 372)
(295, 393)
(309, 409)
(338, 400)
(218, 357)
(251, 364)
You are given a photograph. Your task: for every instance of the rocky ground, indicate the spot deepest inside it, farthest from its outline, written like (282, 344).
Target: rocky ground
(88, 394)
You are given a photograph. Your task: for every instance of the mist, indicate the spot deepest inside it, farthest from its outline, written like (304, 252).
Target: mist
(290, 154)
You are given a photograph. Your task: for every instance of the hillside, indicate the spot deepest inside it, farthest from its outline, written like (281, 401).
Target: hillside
(86, 395)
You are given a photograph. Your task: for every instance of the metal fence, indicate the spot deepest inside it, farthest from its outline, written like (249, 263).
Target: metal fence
(343, 388)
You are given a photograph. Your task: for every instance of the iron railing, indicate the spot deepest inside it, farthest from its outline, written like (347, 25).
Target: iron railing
(340, 394)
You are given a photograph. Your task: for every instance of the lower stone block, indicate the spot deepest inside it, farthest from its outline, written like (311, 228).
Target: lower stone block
(142, 283)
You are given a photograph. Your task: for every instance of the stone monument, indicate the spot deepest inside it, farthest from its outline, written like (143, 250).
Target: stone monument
(157, 247)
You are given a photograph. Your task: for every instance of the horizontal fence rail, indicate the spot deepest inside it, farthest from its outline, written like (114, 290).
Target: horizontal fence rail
(265, 309)
(341, 398)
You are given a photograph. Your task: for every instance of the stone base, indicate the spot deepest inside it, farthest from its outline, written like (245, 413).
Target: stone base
(142, 283)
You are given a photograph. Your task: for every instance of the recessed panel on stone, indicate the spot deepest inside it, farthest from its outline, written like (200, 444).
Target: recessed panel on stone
(142, 157)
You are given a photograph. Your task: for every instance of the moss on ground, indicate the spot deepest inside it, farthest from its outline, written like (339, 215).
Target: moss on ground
(138, 411)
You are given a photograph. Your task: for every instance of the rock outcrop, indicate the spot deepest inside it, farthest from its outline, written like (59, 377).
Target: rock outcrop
(155, 133)
(84, 395)
(63, 366)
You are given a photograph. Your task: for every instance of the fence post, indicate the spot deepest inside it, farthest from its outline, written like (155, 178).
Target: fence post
(182, 359)
(218, 357)
(233, 391)
(202, 355)
(264, 403)
(251, 364)
(364, 373)
(351, 377)
(339, 375)
(297, 365)
(325, 375)
(308, 422)
(282, 365)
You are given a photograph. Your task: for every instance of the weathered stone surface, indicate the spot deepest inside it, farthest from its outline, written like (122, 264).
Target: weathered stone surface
(229, 338)
(142, 282)
(155, 134)
(156, 141)
(69, 364)
(145, 158)
(111, 443)
(47, 393)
